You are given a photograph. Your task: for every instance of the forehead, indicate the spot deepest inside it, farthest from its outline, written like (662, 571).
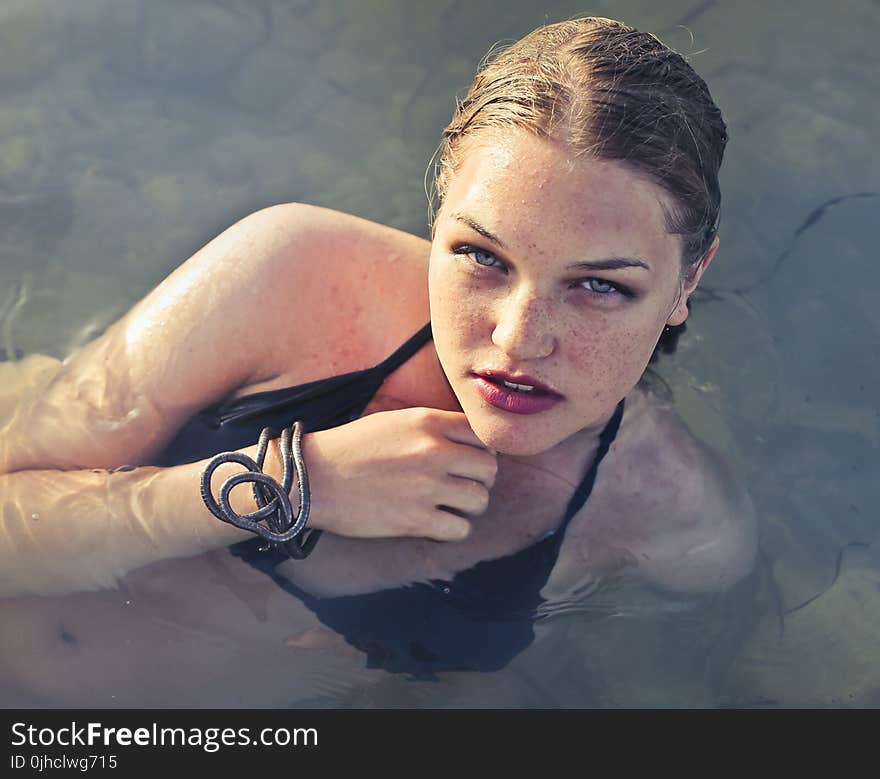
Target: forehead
(534, 190)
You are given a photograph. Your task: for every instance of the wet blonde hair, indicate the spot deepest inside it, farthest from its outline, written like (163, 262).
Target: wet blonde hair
(611, 92)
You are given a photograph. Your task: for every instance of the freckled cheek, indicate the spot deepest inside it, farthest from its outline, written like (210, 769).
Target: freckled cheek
(611, 359)
(456, 303)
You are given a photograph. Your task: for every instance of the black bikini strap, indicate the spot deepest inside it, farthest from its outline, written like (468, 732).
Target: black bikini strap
(404, 352)
(606, 437)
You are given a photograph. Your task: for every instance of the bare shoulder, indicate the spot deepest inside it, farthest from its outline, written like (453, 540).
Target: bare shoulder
(358, 286)
(673, 503)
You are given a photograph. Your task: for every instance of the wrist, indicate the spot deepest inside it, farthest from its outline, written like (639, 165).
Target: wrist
(311, 454)
(270, 471)
(242, 496)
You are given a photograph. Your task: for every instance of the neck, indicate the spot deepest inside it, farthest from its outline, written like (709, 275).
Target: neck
(568, 460)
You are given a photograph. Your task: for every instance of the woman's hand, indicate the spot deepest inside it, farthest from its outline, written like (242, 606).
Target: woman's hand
(409, 472)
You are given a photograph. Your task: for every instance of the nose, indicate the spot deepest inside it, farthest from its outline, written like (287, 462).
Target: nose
(524, 327)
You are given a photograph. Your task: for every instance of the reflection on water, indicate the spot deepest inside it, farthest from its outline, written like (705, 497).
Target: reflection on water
(127, 140)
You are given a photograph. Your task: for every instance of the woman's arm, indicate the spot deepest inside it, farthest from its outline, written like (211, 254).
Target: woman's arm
(384, 476)
(70, 518)
(381, 477)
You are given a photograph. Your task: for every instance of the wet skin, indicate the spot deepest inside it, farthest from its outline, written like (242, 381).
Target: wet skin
(665, 509)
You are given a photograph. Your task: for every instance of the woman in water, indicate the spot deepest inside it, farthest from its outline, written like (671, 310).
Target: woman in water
(466, 473)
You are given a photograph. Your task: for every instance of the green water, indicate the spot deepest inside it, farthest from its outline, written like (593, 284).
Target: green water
(132, 131)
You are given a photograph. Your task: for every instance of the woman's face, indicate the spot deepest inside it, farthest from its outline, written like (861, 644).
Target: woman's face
(550, 267)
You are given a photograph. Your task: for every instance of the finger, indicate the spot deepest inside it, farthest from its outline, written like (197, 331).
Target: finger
(446, 525)
(467, 495)
(480, 467)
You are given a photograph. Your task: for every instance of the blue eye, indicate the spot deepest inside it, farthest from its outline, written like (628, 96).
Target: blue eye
(479, 256)
(600, 286)
(605, 289)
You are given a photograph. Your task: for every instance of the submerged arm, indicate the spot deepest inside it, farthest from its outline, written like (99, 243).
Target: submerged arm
(63, 531)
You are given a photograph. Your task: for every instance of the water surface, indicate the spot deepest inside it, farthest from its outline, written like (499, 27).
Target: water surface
(132, 131)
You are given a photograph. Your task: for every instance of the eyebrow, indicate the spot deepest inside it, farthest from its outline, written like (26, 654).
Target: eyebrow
(606, 263)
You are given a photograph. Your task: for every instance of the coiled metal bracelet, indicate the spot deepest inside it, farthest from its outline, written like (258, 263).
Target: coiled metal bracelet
(282, 527)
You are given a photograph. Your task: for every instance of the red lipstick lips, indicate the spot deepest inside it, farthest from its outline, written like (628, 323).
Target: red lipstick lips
(518, 400)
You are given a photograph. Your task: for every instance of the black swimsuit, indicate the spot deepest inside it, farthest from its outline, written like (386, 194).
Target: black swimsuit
(479, 620)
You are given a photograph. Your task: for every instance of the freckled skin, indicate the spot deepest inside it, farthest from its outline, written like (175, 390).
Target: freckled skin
(534, 316)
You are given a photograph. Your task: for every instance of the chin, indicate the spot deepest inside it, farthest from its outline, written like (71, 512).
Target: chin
(505, 440)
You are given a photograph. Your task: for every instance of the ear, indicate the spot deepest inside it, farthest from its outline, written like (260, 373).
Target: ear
(680, 312)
